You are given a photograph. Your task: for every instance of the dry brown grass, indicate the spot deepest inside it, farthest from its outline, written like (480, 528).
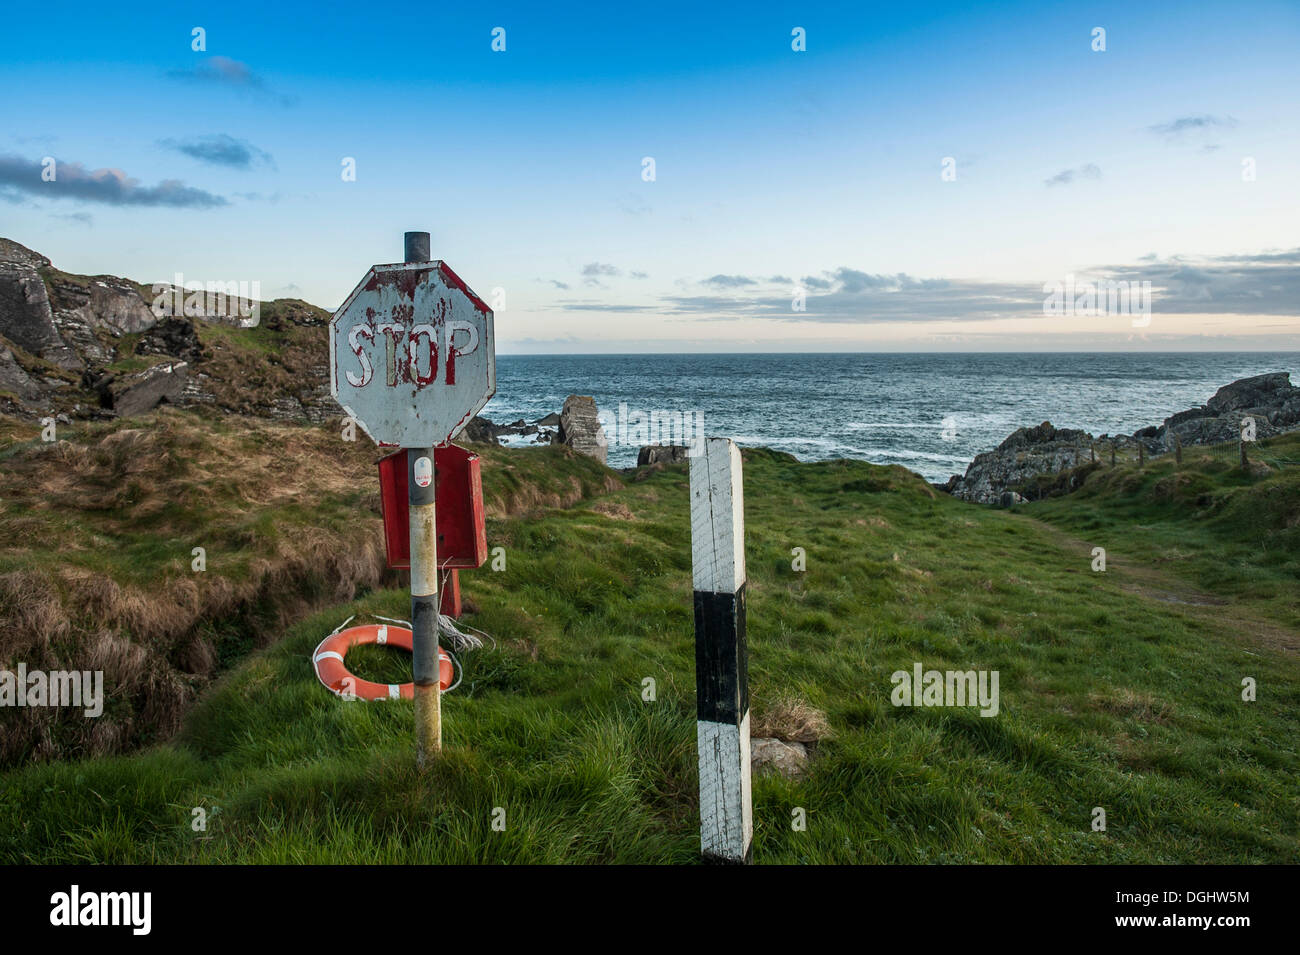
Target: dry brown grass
(96, 533)
(792, 719)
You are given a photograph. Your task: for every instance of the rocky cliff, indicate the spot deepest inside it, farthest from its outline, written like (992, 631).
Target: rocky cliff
(79, 346)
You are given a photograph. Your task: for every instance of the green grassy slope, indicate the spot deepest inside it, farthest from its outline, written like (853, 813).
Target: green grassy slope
(1112, 695)
(98, 529)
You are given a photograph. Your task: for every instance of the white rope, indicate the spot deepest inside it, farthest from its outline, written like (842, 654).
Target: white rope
(457, 639)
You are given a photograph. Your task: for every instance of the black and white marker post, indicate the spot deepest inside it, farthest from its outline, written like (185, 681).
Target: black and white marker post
(721, 658)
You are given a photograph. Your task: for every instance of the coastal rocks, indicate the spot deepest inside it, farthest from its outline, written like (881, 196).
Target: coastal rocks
(580, 429)
(662, 454)
(1029, 452)
(997, 476)
(1270, 400)
(479, 431)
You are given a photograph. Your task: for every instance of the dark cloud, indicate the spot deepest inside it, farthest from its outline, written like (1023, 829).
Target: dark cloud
(220, 149)
(81, 218)
(1266, 283)
(728, 281)
(1184, 124)
(222, 71)
(594, 270)
(110, 186)
(583, 306)
(1066, 176)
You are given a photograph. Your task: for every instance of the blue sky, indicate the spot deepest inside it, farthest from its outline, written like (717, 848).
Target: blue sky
(774, 169)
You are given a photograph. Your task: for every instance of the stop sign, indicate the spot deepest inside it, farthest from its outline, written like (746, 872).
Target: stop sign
(411, 354)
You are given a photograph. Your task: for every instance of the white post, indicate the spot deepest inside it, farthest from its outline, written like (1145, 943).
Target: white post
(721, 657)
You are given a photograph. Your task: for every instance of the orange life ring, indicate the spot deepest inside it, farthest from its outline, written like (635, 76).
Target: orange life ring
(327, 659)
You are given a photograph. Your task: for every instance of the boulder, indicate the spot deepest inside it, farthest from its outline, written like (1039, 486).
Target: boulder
(662, 454)
(140, 392)
(479, 431)
(580, 428)
(775, 755)
(552, 420)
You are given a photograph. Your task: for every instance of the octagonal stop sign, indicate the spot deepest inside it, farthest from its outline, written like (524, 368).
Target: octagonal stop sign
(412, 357)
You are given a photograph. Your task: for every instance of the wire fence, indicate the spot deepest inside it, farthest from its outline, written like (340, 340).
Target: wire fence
(1277, 453)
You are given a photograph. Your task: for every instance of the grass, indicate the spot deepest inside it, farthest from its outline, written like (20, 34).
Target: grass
(97, 565)
(1111, 694)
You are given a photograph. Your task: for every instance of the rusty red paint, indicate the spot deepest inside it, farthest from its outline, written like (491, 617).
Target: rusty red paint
(405, 280)
(453, 279)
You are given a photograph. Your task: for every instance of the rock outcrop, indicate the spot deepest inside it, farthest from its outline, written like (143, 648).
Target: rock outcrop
(92, 346)
(17, 383)
(1026, 454)
(997, 476)
(1270, 400)
(580, 428)
(26, 314)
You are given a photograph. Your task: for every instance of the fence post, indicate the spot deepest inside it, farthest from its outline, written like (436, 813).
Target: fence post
(1178, 450)
(1245, 462)
(1112, 454)
(721, 656)
(1142, 455)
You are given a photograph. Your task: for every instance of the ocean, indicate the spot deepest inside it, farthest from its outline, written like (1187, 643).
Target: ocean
(930, 412)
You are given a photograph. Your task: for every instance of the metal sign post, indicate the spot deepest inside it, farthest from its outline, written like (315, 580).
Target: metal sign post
(412, 360)
(424, 576)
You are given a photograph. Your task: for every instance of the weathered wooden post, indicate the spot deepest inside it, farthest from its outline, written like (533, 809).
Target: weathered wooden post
(721, 657)
(1092, 454)
(1245, 461)
(1178, 450)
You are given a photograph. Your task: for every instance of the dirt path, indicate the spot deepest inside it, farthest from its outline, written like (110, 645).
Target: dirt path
(1234, 621)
